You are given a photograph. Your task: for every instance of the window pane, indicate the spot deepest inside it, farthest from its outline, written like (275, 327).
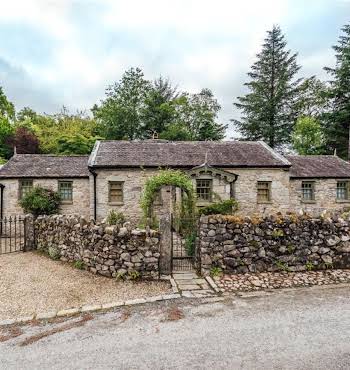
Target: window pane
(66, 190)
(204, 189)
(25, 187)
(342, 190)
(264, 191)
(115, 191)
(307, 189)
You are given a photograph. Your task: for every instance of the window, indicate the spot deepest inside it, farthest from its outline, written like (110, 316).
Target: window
(115, 192)
(342, 190)
(308, 190)
(24, 187)
(65, 189)
(204, 189)
(264, 191)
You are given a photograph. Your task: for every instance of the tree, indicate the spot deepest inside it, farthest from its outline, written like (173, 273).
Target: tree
(7, 109)
(307, 136)
(337, 119)
(269, 110)
(6, 132)
(158, 111)
(24, 140)
(119, 115)
(198, 114)
(312, 97)
(7, 114)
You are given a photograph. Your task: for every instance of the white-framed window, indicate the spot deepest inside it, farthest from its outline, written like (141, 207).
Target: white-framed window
(204, 189)
(342, 190)
(308, 190)
(24, 187)
(115, 191)
(65, 189)
(264, 191)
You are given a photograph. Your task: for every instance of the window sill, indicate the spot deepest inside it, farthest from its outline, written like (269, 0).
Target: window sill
(204, 203)
(342, 200)
(266, 202)
(115, 203)
(66, 202)
(308, 201)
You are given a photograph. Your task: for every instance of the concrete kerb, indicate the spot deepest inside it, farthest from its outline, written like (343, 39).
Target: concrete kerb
(87, 309)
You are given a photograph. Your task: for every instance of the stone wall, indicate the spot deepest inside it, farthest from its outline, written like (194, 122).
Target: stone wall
(325, 197)
(79, 205)
(104, 250)
(291, 243)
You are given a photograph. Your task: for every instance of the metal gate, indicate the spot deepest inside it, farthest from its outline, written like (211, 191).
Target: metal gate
(183, 243)
(13, 236)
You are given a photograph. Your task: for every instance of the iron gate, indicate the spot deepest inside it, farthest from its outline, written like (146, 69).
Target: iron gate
(183, 243)
(13, 236)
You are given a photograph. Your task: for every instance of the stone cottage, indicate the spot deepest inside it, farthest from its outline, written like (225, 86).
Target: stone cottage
(113, 176)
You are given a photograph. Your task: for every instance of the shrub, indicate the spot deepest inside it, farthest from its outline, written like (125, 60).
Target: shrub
(133, 275)
(115, 218)
(225, 207)
(190, 243)
(79, 265)
(54, 253)
(215, 271)
(40, 201)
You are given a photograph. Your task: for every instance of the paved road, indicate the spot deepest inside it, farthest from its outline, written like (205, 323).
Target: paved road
(297, 329)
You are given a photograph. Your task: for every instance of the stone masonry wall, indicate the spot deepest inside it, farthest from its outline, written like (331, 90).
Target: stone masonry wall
(81, 197)
(104, 250)
(291, 243)
(325, 197)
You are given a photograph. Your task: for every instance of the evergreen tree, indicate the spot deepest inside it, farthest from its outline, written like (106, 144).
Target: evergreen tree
(269, 110)
(337, 120)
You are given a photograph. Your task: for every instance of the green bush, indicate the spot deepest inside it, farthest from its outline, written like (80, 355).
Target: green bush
(115, 218)
(79, 265)
(54, 253)
(225, 207)
(40, 201)
(190, 243)
(216, 271)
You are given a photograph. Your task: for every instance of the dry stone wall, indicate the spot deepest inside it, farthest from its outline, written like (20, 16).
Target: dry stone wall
(105, 250)
(290, 243)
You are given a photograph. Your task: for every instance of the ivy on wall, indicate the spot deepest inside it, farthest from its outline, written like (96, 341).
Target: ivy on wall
(164, 178)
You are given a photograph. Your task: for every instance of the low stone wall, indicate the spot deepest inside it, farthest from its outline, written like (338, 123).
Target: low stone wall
(290, 243)
(104, 250)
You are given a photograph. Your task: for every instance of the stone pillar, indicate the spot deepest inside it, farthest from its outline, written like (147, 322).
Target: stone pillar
(165, 259)
(29, 233)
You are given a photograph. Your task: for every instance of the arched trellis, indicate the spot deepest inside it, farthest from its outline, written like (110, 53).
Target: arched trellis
(168, 177)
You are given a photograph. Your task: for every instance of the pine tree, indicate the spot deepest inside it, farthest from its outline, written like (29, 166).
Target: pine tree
(269, 110)
(337, 120)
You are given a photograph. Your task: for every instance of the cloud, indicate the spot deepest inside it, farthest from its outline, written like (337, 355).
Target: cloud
(87, 45)
(21, 89)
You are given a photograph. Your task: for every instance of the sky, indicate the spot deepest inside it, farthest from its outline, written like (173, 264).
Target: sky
(66, 52)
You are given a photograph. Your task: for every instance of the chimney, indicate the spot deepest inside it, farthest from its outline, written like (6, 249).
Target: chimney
(14, 150)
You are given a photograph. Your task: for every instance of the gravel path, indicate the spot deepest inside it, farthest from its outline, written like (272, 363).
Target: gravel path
(32, 283)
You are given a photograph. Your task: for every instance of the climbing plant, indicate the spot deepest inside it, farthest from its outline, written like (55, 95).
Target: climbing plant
(168, 177)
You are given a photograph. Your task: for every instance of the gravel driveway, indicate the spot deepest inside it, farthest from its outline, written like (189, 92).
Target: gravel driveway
(30, 283)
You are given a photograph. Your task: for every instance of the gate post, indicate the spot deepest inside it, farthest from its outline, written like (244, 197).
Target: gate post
(165, 259)
(29, 235)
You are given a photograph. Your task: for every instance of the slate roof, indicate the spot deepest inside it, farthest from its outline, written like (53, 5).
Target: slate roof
(41, 165)
(156, 153)
(318, 166)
